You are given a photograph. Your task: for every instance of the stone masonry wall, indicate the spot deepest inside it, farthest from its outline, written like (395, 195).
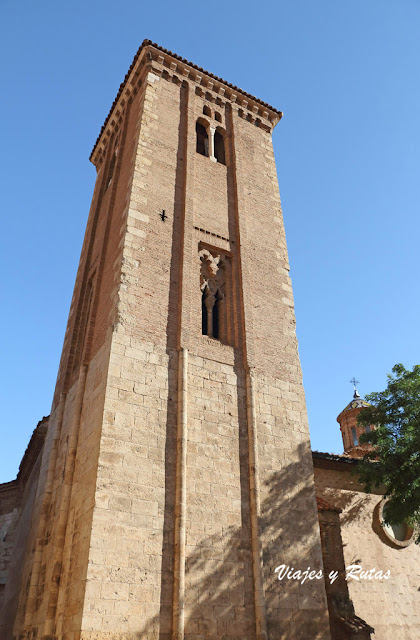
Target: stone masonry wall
(19, 548)
(130, 567)
(8, 526)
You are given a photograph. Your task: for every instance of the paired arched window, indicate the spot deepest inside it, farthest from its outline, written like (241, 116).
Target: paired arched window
(210, 142)
(216, 321)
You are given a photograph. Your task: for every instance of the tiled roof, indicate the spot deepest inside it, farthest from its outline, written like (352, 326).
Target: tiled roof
(319, 455)
(146, 43)
(357, 403)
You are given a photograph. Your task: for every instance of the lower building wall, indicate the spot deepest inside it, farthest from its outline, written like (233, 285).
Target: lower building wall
(391, 607)
(130, 566)
(19, 523)
(46, 581)
(107, 571)
(289, 520)
(10, 508)
(75, 556)
(130, 576)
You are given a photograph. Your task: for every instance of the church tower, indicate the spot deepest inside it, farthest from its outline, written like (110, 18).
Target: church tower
(176, 474)
(351, 430)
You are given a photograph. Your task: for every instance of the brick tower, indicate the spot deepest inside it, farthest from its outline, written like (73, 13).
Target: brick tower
(176, 473)
(351, 430)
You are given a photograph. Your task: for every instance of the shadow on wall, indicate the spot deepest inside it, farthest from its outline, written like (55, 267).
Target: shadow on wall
(220, 568)
(351, 512)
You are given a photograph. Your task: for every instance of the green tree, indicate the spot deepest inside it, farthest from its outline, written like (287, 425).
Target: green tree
(395, 462)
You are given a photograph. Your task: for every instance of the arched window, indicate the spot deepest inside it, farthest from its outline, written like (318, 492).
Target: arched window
(202, 145)
(216, 320)
(219, 147)
(207, 111)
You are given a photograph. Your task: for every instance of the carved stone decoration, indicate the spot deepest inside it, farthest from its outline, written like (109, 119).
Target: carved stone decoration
(210, 272)
(213, 286)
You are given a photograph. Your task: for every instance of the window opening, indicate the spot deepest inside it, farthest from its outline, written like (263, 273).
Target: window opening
(399, 531)
(215, 314)
(202, 146)
(219, 147)
(354, 436)
(207, 111)
(204, 315)
(216, 308)
(217, 116)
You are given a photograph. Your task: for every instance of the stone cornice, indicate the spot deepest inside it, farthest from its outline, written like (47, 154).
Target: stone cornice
(29, 457)
(333, 460)
(152, 57)
(32, 451)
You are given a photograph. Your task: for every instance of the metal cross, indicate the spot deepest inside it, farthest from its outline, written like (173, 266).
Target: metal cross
(354, 382)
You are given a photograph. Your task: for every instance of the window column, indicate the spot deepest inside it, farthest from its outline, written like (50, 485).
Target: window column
(212, 131)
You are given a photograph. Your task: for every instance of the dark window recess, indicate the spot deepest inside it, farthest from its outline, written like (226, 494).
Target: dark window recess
(219, 148)
(217, 116)
(207, 111)
(202, 139)
(204, 316)
(215, 315)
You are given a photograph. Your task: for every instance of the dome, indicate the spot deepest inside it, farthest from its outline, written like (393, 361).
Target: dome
(356, 403)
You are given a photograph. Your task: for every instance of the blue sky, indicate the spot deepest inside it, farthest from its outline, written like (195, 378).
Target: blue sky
(347, 152)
